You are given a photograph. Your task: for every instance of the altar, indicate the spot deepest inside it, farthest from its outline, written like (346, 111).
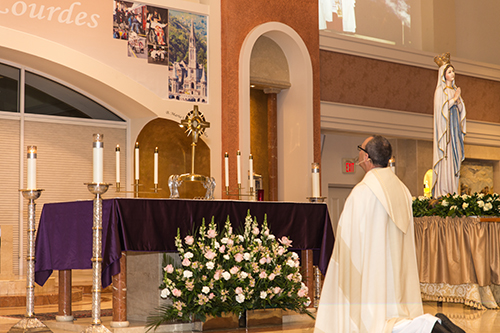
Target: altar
(459, 260)
(64, 238)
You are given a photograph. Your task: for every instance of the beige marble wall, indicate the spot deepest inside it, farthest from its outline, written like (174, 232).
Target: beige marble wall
(6, 252)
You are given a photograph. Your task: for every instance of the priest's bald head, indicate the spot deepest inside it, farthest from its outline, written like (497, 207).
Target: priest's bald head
(375, 152)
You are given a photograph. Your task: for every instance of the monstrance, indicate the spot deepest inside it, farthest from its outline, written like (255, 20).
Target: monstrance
(195, 125)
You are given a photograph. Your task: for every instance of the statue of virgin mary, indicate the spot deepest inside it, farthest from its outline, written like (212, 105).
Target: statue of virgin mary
(449, 130)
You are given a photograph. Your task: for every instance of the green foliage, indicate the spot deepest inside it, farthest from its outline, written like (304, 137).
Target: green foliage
(226, 272)
(458, 205)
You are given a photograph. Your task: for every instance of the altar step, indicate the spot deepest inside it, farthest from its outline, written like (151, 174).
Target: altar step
(291, 321)
(13, 292)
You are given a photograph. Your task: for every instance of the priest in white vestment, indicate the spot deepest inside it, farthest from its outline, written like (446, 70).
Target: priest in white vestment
(372, 282)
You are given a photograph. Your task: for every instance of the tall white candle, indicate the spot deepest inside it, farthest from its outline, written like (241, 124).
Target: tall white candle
(117, 153)
(250, 170)
(238, 165)
(136, 159)
(315, 180)
(156, 166)
(98, 153)
(31, 168)
(226, 168)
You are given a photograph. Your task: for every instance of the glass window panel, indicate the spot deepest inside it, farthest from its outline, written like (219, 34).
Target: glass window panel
(9, 88)
(44, 96)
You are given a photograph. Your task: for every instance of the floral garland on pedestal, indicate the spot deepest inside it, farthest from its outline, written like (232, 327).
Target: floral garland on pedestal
(226, 272)
(455, 205)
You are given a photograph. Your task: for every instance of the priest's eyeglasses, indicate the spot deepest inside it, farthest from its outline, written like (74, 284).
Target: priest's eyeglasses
(363, 149)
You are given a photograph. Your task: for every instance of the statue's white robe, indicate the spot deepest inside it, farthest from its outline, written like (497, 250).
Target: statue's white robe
(372, 280)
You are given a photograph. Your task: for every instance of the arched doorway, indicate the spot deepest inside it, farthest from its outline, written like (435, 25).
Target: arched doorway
(294, 109)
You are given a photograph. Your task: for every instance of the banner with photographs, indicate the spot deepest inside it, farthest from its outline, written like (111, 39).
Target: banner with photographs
(166, 37)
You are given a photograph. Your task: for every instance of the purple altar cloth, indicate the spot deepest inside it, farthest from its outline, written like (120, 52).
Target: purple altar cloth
(64, 238)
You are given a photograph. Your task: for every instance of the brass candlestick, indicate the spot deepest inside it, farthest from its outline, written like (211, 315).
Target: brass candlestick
(97, 189)
(30, 323)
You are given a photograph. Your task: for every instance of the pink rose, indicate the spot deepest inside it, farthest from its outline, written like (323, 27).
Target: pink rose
(189, 240)
(262, 261)
(281, 250)
(276, 290)
(255, 231)
(301, 293)
(186, 262)
(285, 241)
(263, 275)
(217, 274)
(233, 270)
(239, 290)
(222, 248)
(210, 254)
(169, 268)
(176, 292)
(211, 233)
(272, 276)
(238, 257)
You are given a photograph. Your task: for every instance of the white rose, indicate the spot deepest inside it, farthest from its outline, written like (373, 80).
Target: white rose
(258, 241)
(487, 206)
(480, 195)
(243, 275)
(217, 245)
(246, 256)
(188, 255)
(271, 236)
(226, 275)
(205, 290)
(480, 203)
(445, 203)
(187, 274)
(240, 298)
(224, 240)
(290, 263)
(165, 293)
(263, 294)
(465, 205)
(210, 265)
(422, 198)
(295, 256)
(241, 238)
(226, 256)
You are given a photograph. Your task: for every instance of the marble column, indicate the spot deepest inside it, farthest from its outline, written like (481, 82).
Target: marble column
(65, 313)
(308, 272)
(120, 295)
(272, 137)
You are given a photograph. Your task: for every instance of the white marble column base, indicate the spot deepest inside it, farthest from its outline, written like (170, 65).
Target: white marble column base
(119, 324)
(65, 318)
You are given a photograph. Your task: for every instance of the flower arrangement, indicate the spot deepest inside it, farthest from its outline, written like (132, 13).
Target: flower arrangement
(227, 272)
(455, 205)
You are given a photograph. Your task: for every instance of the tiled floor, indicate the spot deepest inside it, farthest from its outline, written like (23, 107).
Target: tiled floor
(472, 321)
